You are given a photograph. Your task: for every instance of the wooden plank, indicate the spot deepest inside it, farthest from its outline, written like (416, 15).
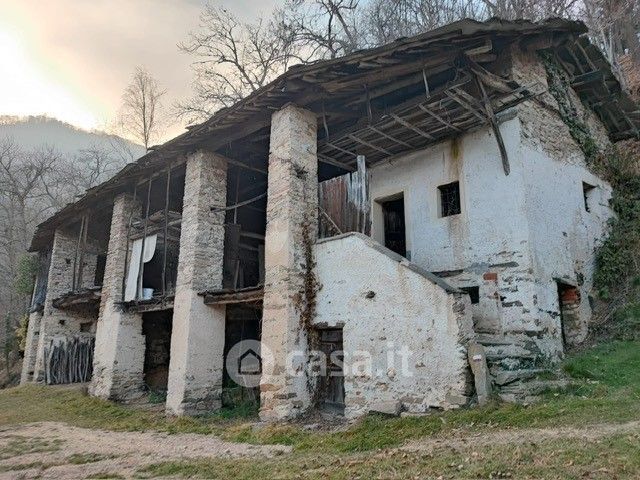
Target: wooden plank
(404, 123)
(232, 296)
(438, 117)
(496, 128)
(390, 137)
(369, 144)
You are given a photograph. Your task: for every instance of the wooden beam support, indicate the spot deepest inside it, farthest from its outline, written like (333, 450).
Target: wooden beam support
(495, 127)
(404, 123)
(390, 137)
(368, 144)
(330, 161)
(437, 117)
(340, 149)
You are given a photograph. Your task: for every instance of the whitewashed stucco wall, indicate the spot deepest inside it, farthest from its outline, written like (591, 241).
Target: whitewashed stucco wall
(384, 304)
(526, 229)
(492, 203)
(490, 235)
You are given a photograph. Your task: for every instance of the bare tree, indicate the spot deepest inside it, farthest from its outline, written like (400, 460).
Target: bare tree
(23, 204)
(324, 28)
(140, 113)
(34, 184)
(388, 20)
(614, 25)
(233, 59)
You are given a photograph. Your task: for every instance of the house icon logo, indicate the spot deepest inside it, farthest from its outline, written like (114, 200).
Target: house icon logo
(250, 363)
(244, 363)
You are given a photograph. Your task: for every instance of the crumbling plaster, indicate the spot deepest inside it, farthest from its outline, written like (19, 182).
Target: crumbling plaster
(566, 234)
(516, 233)
(387, 309)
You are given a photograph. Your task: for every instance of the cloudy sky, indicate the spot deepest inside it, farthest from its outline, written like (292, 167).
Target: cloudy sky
(71, 59)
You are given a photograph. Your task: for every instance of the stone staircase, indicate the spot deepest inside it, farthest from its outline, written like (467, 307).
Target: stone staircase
(515, 365)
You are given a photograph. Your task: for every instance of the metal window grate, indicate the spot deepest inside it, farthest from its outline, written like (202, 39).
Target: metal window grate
(449, 199)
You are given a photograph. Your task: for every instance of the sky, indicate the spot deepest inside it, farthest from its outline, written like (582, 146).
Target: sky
(72, 59)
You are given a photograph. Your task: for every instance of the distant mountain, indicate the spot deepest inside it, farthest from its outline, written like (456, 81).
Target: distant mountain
(41, 131)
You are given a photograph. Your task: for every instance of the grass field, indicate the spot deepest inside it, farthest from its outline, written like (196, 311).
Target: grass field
(606, 391)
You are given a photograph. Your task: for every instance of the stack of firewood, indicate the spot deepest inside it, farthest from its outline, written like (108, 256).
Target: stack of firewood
(69, 359)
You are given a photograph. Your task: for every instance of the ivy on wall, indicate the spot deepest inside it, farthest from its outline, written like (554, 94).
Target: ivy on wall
(617, 273)
(559, 87)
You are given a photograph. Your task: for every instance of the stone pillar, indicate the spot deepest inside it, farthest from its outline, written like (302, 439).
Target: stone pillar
(292, 216)
(118, 365)
(198, 332)
(31, 347)
(56, 322)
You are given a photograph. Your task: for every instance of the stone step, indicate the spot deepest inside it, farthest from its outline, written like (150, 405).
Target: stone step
(506, 377)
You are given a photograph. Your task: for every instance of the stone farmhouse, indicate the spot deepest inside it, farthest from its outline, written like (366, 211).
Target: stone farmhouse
(422, 212)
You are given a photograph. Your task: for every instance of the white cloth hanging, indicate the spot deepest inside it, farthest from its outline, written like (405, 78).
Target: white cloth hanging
(134, 264)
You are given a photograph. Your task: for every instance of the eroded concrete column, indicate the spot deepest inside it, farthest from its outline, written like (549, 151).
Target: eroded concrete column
(118, 365)
(56, 322)
(197, 339)
(292, 215)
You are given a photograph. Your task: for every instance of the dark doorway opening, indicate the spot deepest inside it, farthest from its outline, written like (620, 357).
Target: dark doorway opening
(243, 323)
(394, 225)
(569, 302)
(156, 328)
(331, 384)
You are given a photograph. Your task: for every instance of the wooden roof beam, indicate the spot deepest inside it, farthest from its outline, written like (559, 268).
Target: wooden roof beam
(330, 161)
(438, 117)
(403, 122)
(466, 105)
(368, 144)
(390, 137)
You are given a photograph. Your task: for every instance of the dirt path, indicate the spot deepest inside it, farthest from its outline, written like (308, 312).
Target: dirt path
(523, 436)
(56, 450)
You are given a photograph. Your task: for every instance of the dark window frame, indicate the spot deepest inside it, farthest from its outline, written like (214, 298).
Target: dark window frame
(449, 199)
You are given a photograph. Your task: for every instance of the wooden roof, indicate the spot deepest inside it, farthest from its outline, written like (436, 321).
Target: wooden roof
(388, 100)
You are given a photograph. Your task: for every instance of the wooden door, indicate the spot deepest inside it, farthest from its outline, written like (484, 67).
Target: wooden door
(332, 382)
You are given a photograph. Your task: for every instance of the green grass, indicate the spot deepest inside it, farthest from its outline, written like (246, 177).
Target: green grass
(606, 390)
(615, 364)
(559, 459)
(104, 476)
(84, 458)
(18, 445)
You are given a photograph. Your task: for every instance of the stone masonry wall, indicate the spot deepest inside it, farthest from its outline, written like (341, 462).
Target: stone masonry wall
(197, 341)
(119, 353)
(56, 322)
(292, 213)
(565, 231)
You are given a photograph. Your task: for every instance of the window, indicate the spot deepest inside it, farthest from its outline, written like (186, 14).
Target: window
(474, 294)
(449, 199)
(587, 192)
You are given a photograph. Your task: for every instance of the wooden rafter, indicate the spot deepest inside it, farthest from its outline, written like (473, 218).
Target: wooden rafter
(403, 122)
